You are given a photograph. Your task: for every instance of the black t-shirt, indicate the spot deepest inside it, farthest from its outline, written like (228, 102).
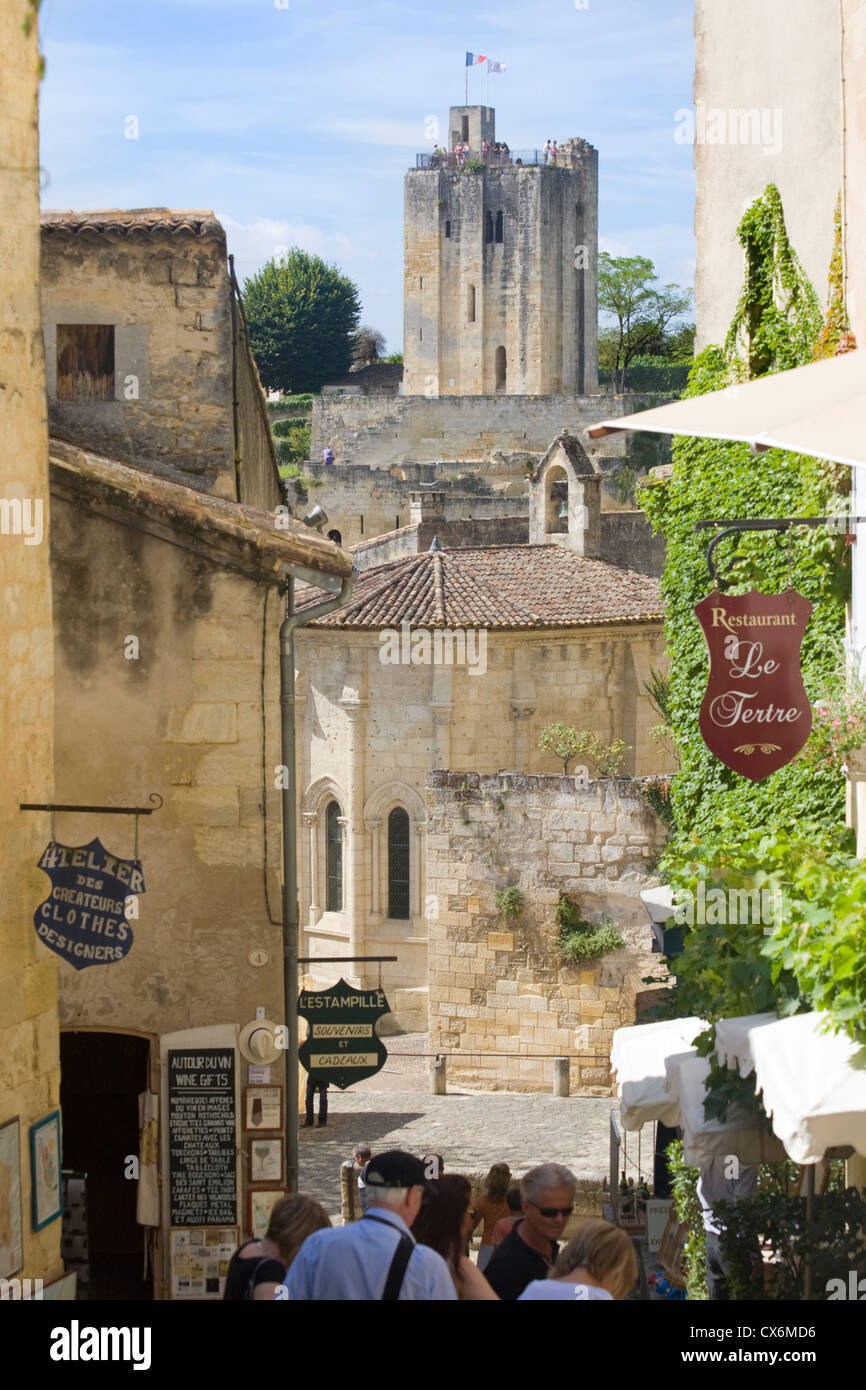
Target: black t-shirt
(260, 1269)
(514, 1264)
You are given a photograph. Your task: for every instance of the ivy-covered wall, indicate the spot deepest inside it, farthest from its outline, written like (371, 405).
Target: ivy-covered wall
(776, 326)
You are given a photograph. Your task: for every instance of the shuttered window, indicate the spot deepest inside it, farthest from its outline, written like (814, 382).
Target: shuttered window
(334, 832)
(398, 864)
(85, 362)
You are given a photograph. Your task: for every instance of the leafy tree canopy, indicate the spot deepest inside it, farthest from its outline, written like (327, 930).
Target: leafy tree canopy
(368, 346)
(303, 317)
(641, 309)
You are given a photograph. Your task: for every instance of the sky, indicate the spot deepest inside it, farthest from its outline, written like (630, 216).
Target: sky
(295, 120)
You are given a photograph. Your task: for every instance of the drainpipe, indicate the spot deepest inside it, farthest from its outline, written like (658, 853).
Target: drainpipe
(291, 621)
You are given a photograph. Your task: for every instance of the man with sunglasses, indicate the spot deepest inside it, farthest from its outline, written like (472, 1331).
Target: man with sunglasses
(530, 1248)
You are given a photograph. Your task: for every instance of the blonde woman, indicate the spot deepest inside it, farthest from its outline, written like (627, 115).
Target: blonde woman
(259, 1266)
(598, 1262)
(491, 1206)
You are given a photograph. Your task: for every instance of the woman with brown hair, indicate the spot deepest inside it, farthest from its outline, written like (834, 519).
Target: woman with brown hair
(444, 1223)
(598, 1262)
(491, 1206)
(258, 1266)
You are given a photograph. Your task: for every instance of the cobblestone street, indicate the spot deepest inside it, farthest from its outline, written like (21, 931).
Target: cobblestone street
(470, 1129)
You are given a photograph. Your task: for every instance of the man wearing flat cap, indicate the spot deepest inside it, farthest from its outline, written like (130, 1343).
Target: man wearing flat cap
(376, 1257)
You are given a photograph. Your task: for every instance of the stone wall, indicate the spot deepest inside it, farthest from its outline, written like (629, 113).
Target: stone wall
(364, 502)
(497, 986)
(258, 472)
(413, 539)
(30, 1071)
(382, 431)
(769, 58)
(168, 297)
(184, 719)
(627, 539)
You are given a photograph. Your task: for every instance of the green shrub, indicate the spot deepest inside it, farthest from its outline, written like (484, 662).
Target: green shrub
(509, 902)
(302, 401)
(684, 1182)
(294, 446)
(580, 940)
(566, 743)
(283, 428)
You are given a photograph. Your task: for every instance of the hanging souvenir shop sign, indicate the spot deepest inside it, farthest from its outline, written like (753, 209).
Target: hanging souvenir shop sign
(84, 918)
(755, 715)
(342, 1046)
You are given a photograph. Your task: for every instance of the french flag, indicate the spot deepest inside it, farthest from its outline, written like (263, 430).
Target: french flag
(472, 58)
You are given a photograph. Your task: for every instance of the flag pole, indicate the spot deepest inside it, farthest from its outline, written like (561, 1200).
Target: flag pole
(487, 82)
(466, 99)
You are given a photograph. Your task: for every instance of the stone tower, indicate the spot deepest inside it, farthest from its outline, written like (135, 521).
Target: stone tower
(500, 265)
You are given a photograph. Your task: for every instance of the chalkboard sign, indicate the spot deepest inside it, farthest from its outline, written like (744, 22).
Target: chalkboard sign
(201, 1137)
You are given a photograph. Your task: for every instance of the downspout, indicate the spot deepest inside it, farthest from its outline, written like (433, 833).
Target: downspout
(233, 291)
(291, 621)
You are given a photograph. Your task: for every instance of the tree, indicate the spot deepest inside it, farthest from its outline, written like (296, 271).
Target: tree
(368, 346)
(303, 317)
(643, 310)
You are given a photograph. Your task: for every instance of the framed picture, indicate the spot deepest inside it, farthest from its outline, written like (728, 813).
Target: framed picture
(11, 1233)
(260, 1204)
(266, 1160)
(263, 1107)
(45, 1170)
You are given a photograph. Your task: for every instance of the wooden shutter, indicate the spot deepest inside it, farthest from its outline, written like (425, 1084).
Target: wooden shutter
(85, 362)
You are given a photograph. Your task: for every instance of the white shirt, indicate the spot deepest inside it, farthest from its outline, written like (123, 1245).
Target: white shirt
(713, 1186)
(549, 1289)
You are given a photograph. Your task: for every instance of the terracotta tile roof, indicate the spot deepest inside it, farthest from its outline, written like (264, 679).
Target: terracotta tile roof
(506, 586)
(133, 222)
(239, 536)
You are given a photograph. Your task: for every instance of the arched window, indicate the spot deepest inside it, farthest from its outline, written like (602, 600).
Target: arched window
(500, 369)
(398, 864)
(488, 226)
(470, 304)
(336, 537)
(334, 835)
(499, 225)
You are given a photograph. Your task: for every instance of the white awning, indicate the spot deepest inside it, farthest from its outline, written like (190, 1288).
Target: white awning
(818, 409)
(813, 1082)
(740, 1134)
(638, 1057)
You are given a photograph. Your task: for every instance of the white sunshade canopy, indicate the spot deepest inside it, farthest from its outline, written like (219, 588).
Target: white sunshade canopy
(704, 1140)
(813, 1082)
(819, 409)
(638, 1057)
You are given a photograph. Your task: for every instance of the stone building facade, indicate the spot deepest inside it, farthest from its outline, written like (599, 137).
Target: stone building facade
(167, 606)
(502, 1003)
(754, 124)
(454, 658)
(146, 349)
(30, 1070)
(500, 273)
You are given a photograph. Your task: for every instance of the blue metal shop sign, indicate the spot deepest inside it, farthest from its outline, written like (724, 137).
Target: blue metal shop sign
(84, 917)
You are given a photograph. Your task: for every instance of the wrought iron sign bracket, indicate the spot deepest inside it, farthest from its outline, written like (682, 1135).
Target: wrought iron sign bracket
(731, 527)
(96, 810)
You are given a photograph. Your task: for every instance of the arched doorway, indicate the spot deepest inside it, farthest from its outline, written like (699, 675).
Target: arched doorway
(500, 369)
(102, 1076)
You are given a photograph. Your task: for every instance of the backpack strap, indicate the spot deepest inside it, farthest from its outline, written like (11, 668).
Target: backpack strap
(399, 1263)
(251, 1282)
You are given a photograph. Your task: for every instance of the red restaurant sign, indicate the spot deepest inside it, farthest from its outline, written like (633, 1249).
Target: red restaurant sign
(755, 715)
